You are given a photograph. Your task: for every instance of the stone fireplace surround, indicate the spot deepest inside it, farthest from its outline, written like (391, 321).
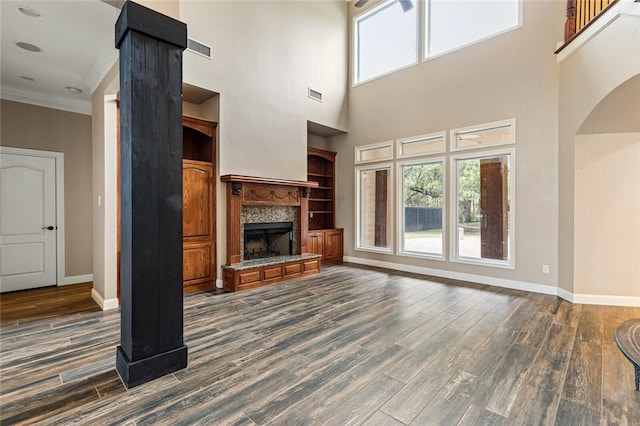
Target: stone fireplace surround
(254, 199)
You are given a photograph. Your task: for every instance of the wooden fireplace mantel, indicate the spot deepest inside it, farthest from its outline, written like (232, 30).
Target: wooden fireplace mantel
(260, 191)
(269, 181)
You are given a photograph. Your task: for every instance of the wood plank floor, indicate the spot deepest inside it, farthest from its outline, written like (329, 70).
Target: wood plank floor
(47, 302)
(349, 346)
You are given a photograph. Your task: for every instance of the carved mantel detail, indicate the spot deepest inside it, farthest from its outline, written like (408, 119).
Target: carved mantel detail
(236, 188)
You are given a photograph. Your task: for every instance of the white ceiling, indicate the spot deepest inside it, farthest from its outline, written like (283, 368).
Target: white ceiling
(77, 42)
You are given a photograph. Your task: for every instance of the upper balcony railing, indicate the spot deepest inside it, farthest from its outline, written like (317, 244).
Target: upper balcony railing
(580, 13)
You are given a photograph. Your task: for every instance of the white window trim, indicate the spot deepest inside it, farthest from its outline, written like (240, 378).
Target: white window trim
(453, 135)
(427, 137)
(425, 21)
(372, 146)
(453, 234)
(354, 42)
(382, 166)
(400, 208)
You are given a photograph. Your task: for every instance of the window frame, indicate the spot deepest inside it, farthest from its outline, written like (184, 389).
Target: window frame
(426, 137)
(453, 135)
(369, 147)
(400, 250)
(358, 221)
(356, 47)
(424, 24)
(453, 229)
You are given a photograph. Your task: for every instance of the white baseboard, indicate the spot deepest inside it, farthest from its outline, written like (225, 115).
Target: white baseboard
(219, 283)
(585, 299)
(480, 279)
(600, 299)
(105, 304)
(77, 279)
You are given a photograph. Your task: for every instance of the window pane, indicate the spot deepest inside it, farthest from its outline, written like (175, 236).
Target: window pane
(420, 146)
(483, 208)
(452, 24)
(377, 153)
(375, 208)
(386, 40)
(422, 208)
(489, 136)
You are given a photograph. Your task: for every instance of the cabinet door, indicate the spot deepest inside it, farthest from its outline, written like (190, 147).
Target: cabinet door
(333, 245)
(316, 243)
(197, 201)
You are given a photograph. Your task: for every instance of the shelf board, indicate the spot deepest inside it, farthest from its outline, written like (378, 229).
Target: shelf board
(321, 199)
(323, 187)
(319, 175)
(320, 212)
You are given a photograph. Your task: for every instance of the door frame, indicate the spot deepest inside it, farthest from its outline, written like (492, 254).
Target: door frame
(59, 161)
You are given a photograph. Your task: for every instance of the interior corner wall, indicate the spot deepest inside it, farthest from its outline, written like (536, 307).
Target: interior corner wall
(35, 127)
(104, 200)
(266, 55)
(586, 78)
(607, 208)
(513, 75)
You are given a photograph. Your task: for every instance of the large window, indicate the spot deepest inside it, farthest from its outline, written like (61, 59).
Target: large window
(483, 215)
(374, 207)
(385, 40)
(422, 195)
(466, 188)
(388, 36)
(450, 25)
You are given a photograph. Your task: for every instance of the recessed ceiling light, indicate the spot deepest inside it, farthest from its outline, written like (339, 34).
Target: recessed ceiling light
(74, 90)
(24, 77)
(29, 11)
(28, 46)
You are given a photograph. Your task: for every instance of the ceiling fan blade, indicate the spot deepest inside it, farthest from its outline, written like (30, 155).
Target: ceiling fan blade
(407, 5)
(361, 3)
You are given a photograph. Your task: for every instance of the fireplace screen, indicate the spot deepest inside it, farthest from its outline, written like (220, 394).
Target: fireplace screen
(267, 239)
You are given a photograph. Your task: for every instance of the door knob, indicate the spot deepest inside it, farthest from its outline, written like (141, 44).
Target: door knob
(50, 228)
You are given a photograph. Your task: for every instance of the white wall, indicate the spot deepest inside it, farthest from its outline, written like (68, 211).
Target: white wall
(104, 171)
(513, 75)
(607, 213)
(265, 56)
(587, 76)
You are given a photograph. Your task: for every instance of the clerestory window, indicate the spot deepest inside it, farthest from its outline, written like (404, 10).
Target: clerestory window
(388, 36)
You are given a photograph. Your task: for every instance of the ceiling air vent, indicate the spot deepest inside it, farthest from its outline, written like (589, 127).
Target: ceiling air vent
(315, 95)
(199, 48)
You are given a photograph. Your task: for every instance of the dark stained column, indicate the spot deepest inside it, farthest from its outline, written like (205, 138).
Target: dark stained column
(151, 341)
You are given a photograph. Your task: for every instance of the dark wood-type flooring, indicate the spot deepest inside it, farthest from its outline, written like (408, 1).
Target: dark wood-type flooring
(349, 346)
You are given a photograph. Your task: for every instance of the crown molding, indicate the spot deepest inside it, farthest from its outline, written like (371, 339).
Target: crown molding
(47, 101)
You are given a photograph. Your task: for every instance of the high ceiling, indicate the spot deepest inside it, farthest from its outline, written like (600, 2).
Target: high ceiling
(76, 39)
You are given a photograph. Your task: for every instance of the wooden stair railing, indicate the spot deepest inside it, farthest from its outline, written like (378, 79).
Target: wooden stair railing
(580, 13)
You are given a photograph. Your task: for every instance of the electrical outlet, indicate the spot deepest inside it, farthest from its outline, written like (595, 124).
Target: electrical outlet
(545, 269)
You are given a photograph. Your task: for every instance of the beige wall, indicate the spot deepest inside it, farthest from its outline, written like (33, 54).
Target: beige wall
(510, 76)
(265, 56)
(104, 139)
(586, 78)
(607, 208)
(34, 127)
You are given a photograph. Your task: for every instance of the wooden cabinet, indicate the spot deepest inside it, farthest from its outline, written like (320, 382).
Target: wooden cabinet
(333, 241)
(327, 243)
(198, 205)
(198, 226)
(315, 242)
(323, 238)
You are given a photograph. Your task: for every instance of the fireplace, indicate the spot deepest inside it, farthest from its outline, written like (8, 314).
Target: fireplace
(262, 240)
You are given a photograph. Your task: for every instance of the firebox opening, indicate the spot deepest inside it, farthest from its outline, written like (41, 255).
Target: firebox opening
(268, 240)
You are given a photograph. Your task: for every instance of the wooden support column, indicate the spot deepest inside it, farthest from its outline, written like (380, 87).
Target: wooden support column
(151, 341)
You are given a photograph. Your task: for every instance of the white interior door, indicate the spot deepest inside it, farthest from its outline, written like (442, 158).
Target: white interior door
(28, 228)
